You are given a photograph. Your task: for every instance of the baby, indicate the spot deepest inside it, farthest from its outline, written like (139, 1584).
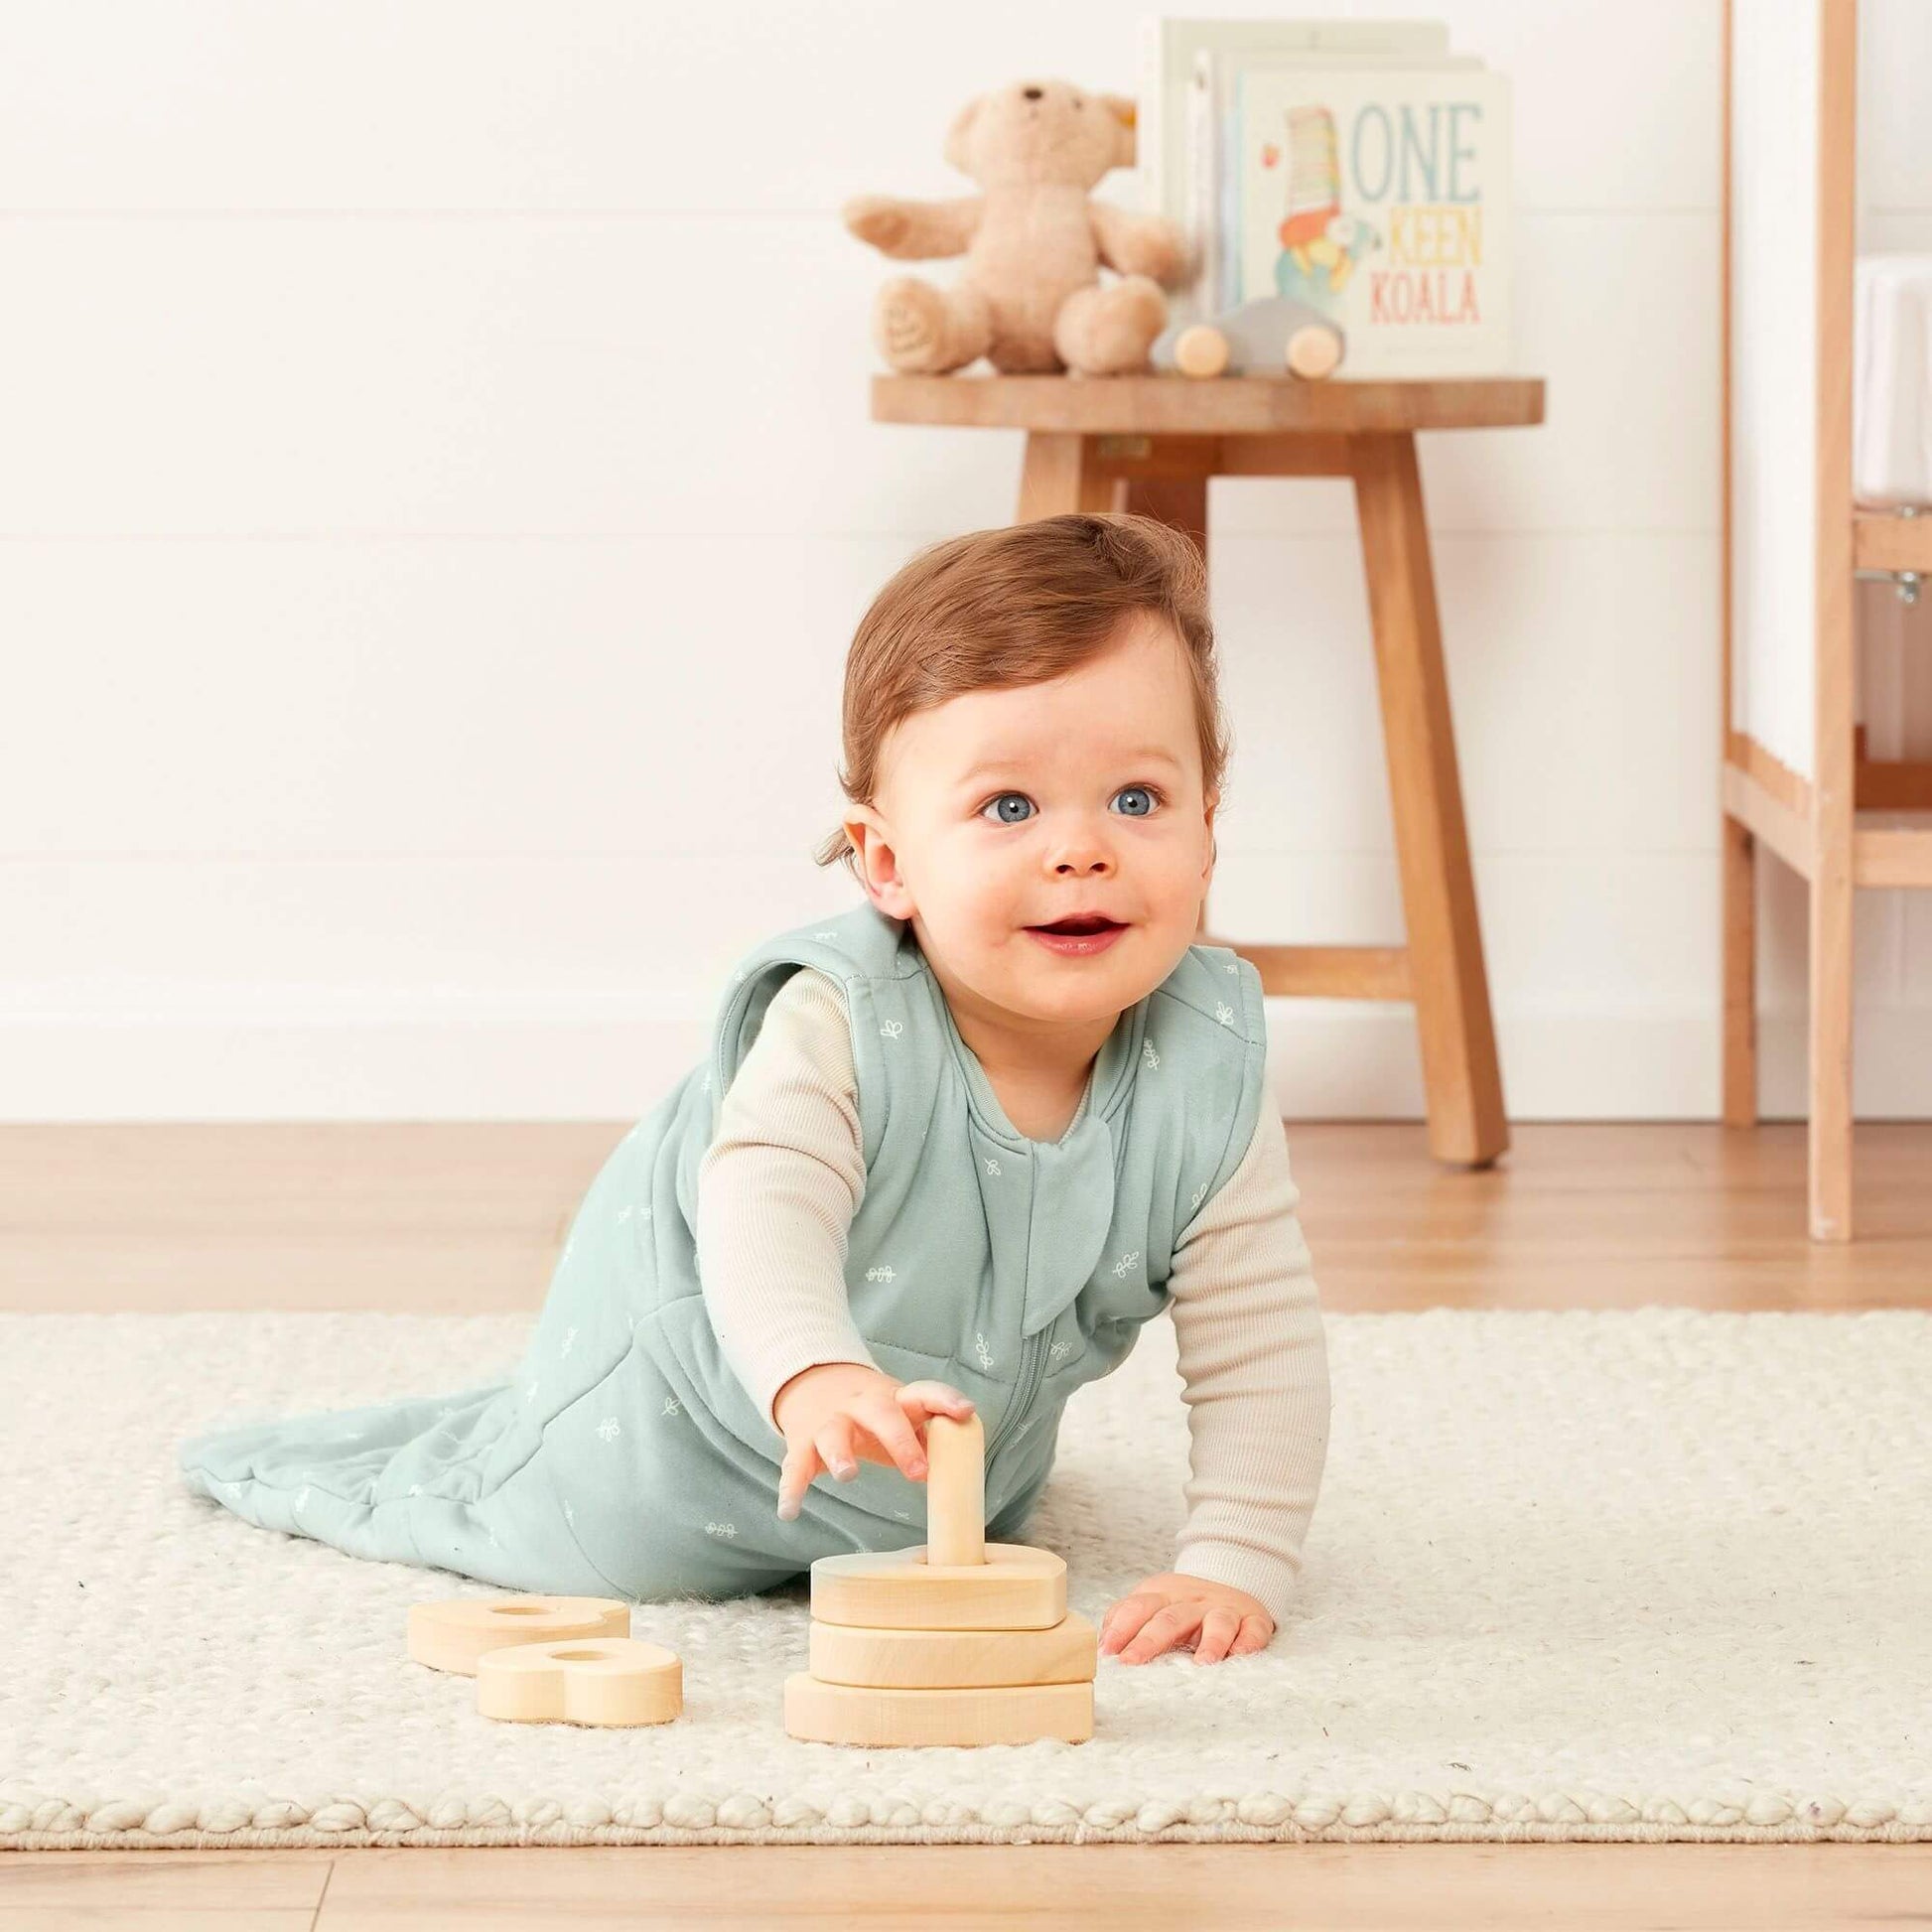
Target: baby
(949, 1150)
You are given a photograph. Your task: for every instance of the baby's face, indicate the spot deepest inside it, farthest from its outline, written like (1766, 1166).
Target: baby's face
(1002, 810)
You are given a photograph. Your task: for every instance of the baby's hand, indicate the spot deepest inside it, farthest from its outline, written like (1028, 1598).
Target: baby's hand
(1167, 1608)
(838, 1411)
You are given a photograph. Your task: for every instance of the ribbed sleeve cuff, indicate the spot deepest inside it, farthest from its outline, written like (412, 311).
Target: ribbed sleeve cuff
(1270, 1579)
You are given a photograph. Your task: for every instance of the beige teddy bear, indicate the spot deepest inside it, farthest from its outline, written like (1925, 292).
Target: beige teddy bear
(1030, 299)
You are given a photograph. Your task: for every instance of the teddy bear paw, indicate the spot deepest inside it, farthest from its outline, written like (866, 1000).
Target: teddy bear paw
(909, 326)
(1107, 330)
(877, 220)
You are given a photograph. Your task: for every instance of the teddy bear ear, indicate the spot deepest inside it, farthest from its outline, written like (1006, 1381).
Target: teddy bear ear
(1125, 112)
(957, 136)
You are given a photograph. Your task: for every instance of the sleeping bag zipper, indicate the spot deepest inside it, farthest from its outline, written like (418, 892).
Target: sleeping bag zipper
(1032, 1353)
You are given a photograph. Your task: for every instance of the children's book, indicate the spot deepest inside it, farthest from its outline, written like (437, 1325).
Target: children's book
(1214, 159)
(1379, 196)
(1356, 165)
(1168, 48)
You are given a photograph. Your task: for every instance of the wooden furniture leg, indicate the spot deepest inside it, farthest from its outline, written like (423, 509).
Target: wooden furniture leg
(1060, 472)
(1466, 1123)
(1739, 974)
(1178, 500)
(1829, 1136)
(1833, 789)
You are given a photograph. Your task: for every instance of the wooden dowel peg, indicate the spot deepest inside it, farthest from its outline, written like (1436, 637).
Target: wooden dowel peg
(956, 1508)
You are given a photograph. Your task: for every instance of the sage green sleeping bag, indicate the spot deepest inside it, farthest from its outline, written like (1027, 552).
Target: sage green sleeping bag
(621, 1457)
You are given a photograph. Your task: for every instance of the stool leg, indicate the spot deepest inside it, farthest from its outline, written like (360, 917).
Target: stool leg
(1061, 472)
(1466, 1123)
(1178, 500)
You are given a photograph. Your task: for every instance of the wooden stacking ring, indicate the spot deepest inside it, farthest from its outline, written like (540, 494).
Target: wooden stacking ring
(454, 1632)
(1016, 1589)
(582, 1681)
(1012, 1713)
(955, 1660)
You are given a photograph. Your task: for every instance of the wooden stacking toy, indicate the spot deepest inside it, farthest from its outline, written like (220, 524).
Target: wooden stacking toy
(609, 1680)
(551, 1659)
(454, 1633)
(958, 1641)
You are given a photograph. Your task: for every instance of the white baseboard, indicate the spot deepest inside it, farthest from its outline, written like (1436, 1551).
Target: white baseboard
(1363, 1062)
(611, 1058)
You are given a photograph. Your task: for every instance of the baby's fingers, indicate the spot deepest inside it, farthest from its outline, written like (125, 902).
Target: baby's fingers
(922, 1400)
(800, 1465)
(1256, 1634)
(1218, 1630)
(895, 1435)
(1163, 1631)
(837, 1447)
(1165, 1628)
(1124, 1620)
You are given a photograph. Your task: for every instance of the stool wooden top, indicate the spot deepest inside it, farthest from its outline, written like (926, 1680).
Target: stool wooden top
(1226, 405)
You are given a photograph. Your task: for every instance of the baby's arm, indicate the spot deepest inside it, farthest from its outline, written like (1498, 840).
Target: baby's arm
(1254, 1362)
(776, 1193)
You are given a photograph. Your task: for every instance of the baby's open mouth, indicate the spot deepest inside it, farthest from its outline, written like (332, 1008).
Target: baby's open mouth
(1078, 925)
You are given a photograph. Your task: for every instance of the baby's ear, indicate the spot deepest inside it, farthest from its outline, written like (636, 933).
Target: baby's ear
(873, 860)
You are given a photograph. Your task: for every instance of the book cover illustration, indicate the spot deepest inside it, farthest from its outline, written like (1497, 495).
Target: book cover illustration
(1381, 200)
(1169, 48)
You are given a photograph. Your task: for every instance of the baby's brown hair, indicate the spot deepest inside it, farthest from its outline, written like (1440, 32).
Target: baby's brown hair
(1013, 605)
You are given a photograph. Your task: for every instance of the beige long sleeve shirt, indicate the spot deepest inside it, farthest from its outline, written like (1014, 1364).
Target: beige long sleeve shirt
(784, 1175)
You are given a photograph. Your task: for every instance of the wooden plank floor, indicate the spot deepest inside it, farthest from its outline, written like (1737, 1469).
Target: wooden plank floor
(464, 1217)
(963, 1889)
(467, 1217)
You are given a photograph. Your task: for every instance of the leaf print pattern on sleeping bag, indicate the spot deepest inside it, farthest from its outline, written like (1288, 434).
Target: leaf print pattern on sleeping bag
(622, 1456)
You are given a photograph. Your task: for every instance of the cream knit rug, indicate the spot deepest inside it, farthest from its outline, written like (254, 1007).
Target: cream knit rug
(1660, 1574)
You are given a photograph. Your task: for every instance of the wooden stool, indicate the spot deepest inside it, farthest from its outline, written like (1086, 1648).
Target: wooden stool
(1149, 444)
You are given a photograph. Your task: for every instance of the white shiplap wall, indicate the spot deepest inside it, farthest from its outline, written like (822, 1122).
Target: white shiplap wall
(438, 493)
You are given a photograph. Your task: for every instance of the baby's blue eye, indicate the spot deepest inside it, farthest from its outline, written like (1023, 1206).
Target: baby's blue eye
(998, 805)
